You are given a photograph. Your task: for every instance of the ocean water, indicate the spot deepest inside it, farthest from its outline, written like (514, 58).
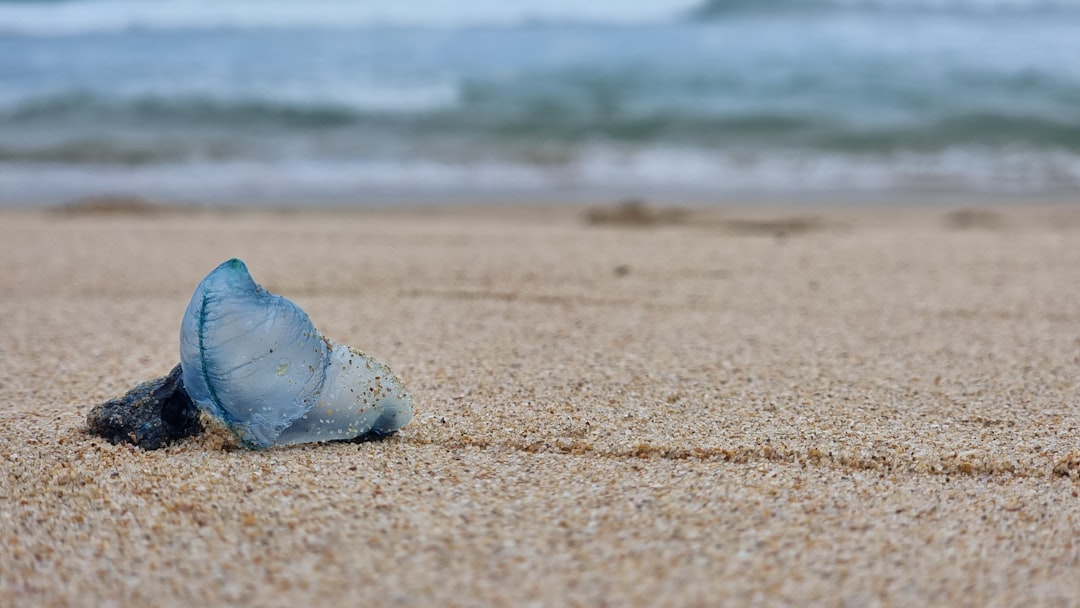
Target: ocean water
(339, 101)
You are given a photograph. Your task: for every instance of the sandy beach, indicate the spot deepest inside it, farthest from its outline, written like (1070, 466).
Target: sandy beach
(833, 406)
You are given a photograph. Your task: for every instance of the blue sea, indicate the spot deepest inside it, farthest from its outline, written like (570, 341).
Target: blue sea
(266, 101)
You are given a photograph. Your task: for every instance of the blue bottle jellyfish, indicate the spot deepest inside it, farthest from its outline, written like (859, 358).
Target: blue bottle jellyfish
(255, 361)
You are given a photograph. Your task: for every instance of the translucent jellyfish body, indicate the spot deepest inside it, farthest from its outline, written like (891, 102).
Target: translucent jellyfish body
(255, 361)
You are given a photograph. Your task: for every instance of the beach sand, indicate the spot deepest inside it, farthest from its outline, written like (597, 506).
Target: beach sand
(833, 406)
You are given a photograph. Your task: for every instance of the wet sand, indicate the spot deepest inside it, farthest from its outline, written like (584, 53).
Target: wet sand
(860, 406)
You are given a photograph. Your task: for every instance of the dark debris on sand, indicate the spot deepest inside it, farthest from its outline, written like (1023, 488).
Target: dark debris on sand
(110, 204)
(633, 212)
(151, 415)
(966, 219)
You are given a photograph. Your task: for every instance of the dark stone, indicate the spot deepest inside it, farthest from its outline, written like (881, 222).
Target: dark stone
(151, 415)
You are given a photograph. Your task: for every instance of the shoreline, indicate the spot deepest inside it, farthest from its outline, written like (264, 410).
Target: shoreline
(499, 199)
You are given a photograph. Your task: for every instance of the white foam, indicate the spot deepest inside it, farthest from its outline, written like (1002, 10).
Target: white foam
(81, 16)
(655, 170)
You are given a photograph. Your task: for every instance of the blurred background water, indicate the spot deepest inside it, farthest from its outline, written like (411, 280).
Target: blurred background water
(350, 101)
